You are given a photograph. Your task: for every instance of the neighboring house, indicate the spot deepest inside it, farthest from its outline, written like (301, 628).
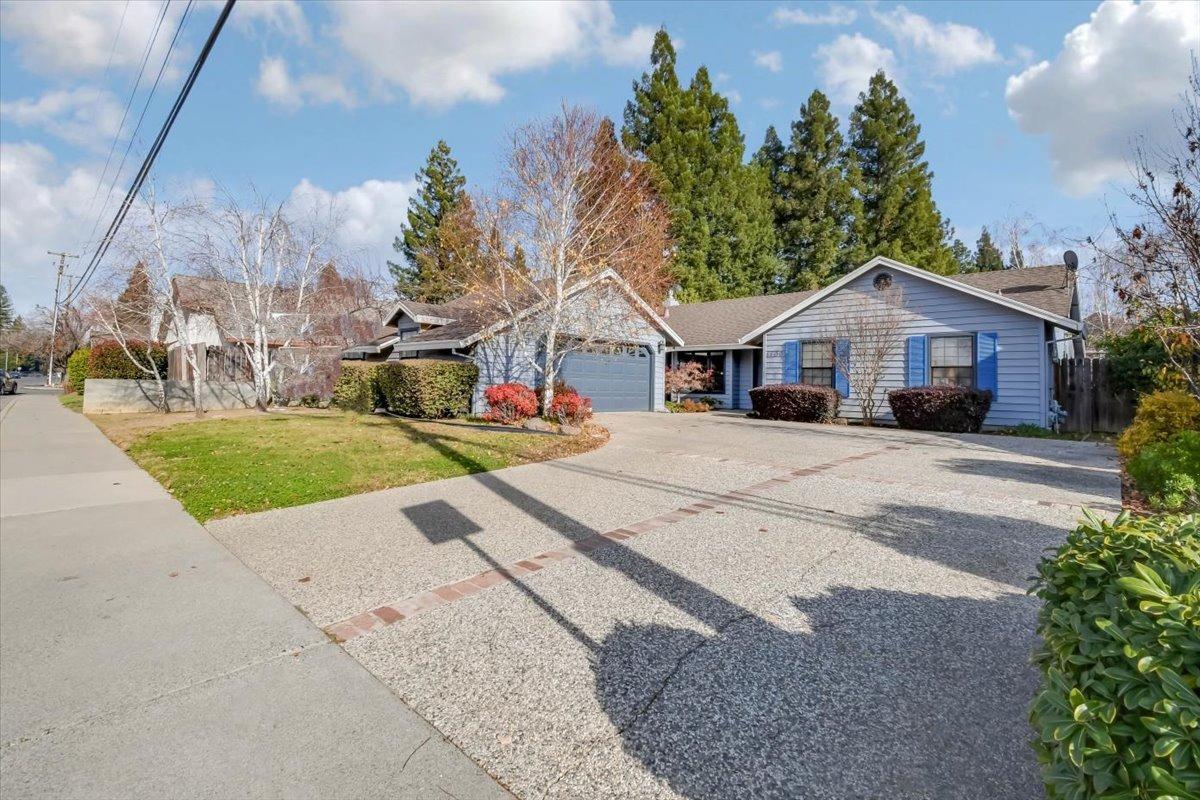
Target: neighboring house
(304, 341)
(622, 373)
(994, 330)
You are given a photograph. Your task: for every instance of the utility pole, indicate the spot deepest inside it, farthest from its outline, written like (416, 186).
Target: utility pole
(62, 265)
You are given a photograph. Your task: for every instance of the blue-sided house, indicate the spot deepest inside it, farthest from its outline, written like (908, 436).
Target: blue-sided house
(993, 330)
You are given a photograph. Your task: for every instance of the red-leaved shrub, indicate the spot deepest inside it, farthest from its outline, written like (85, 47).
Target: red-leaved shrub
(570, 407)
(510, 403)
(952, 409)
(795, 402)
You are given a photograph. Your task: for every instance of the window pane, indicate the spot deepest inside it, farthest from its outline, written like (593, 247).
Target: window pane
(816, 355)
(817, 376)
(951, 351)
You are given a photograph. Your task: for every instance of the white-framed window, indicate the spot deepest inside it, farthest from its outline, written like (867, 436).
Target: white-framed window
(816, 363)
(714, 360)
(952, 360)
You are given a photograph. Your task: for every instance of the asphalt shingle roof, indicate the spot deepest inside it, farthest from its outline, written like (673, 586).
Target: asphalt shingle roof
(724, 322)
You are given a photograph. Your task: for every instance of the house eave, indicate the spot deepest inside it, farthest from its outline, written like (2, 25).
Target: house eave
(881, 261)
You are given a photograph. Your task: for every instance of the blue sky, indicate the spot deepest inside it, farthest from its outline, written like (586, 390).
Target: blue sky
(1026, 108)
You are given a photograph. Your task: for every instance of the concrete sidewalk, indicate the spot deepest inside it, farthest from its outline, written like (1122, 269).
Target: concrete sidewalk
(139, 658)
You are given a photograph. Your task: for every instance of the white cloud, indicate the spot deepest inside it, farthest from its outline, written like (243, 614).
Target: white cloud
(951, 46)
(847, 63)
(75, 37)
(633, 49)
(284, 17)
(42, 207)
(369, 214)
(85, 116)
(1118, 76)
(440, 54)
(771, 60)
(1023, 55)
(275, 83)
(836, 15)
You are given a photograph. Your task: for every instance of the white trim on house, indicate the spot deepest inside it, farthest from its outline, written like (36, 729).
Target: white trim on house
(881, 261)
(420, 319)
(685, 347)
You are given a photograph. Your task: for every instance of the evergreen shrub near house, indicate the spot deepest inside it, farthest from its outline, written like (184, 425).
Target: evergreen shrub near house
(427, 388)
(77, 368)
(357, 388)
(1117, 714)
(107, 359)
(795, 402)
(952, 409)
(1168, 473)
(1159, 416)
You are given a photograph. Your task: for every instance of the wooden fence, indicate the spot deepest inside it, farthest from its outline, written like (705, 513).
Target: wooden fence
(1081, 387)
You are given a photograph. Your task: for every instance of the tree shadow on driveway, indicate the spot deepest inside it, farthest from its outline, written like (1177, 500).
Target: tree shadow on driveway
(870, 693)
(857, 692)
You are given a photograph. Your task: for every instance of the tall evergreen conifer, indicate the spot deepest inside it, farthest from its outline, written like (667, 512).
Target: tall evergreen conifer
(426, 273)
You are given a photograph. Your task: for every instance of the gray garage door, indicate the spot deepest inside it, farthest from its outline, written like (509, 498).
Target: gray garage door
(616, 381)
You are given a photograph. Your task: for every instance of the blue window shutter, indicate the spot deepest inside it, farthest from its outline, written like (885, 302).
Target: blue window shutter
(791, 362)
(841, 355)
(916, 361)
(987, 373)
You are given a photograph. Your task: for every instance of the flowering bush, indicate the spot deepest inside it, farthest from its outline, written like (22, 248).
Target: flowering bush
(570, 408)
(795, 402)
(510, 403)
(954, 409)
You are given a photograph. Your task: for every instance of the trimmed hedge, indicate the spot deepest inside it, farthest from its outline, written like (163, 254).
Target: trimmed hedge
(77, 368)
(1117, 714)
(951, 409)
(356, 388)
(426, 387)
(108, 360)
(795, 402)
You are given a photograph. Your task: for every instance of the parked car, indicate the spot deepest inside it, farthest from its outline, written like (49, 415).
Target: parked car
(8, 384)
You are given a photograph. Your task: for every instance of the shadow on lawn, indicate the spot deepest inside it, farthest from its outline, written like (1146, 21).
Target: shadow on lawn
(853, 693)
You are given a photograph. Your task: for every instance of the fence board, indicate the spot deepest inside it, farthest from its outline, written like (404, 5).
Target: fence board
(1081, 386)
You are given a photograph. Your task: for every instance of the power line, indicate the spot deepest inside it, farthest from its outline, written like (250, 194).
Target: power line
(148, 162)
(145, 107)
(137, 81)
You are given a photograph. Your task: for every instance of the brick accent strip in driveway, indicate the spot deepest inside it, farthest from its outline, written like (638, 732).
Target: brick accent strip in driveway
(390, 614)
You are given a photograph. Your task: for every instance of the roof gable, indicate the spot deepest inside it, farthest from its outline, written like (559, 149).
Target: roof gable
(992, 296)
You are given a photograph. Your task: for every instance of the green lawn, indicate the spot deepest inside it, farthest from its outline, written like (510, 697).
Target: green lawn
(253, 461)
(72, 401)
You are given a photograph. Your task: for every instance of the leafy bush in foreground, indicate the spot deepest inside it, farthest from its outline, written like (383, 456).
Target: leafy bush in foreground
(107, 359)
(795, 402)
(1117, 714)
(1159, 417)
(571, 407)
(953, 409)
(1169, 472)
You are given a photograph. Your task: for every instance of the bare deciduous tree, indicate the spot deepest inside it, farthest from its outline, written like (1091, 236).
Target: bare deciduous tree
(263, 264)
(687, 377)
(571, 212)
(1154, 265)
(869, 333)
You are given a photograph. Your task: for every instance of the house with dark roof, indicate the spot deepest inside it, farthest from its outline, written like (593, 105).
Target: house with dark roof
(992, 330)
(995, 330)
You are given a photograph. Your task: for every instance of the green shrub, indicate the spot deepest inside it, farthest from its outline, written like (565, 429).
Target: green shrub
(1138, 362)
(427, 388)
(107, 359)
(1117, 712)
(1168, 473)
(1159, 417)
(357, 388)
(77, 368)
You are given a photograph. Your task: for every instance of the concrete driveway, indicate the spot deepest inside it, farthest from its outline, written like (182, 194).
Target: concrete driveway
(708, 607)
